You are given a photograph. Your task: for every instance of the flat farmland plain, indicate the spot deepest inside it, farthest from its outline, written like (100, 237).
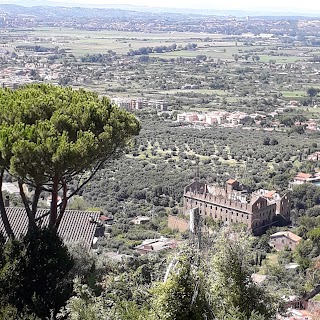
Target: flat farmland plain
(216, 46)
(81, 42)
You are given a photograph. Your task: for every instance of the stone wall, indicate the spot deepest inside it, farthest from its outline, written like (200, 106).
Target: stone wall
(256, 216)
(176, 223)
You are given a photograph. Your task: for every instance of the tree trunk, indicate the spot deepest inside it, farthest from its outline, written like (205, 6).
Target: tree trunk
(54, 205)
(63, 205)
(35, 200)
(313, 292)
(32, 220)
(3, 212)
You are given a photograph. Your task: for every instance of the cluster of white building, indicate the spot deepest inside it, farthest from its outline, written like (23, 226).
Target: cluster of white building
(314, 156)
(212, 118)
(140, 103)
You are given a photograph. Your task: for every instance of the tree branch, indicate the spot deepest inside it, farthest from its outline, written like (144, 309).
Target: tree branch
(32, 221)
(54, 205)
(35, 200)
(98, 167)
(29, 183)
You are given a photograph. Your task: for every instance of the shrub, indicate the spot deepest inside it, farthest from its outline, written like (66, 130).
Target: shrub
(34, 273)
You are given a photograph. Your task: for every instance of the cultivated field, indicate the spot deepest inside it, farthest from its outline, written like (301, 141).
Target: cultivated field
(217, 46)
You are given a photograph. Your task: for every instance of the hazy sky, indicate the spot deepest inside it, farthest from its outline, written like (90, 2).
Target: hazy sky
(278, 5)
(229, 4)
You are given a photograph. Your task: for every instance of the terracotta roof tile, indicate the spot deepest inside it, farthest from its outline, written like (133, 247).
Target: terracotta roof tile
(303, 175)
(270, 194)
(287, 234)
(105, 218)
(75, 225)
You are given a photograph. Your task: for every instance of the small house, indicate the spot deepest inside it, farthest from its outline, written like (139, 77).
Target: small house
(140, 220)
(284, 239)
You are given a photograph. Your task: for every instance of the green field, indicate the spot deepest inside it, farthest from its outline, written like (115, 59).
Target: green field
(80, 42)
(217, 51)
(271, 261)
(280, 59)
(204, 91)
(293, 94)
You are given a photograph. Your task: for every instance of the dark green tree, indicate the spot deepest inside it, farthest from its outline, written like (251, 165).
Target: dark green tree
(184, 286)
(50, 136)
(312, 92)
(304, 253)
(230, 284)
(34, 273)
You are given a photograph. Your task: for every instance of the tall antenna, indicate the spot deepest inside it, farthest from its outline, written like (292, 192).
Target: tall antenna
(245, 176)
(195, 228)
(197, 174)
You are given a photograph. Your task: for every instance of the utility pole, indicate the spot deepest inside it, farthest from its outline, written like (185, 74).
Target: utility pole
(195, 228)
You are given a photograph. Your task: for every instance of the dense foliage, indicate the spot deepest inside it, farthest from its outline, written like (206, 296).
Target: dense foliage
(34, 274)
(50, 135)
(212, 284)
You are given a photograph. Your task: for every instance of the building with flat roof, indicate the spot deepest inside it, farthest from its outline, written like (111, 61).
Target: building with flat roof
(236, 203)
(140, 220)
(156, 245)
(11, 188)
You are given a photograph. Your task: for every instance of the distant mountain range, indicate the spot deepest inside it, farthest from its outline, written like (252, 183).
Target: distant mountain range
(31, 7)
(58, 12)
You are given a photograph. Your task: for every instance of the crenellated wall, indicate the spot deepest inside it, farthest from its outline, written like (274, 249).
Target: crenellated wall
(219, 200)
(221, 205)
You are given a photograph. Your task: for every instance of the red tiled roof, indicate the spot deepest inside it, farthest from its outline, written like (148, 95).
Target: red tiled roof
(104, 218)
(303, 175)
(75, 225)
(288, 234)
(270, 194)
(231, 181)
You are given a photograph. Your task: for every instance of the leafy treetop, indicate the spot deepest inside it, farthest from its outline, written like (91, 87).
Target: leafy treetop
(48, 131)
(50, 134)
